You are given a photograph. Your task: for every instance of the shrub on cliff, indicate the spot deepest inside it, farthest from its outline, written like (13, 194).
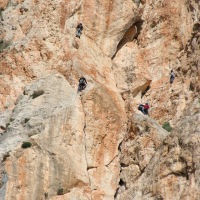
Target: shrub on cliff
(3, 45)
(60, 191)
(26, 145)
(167, 126)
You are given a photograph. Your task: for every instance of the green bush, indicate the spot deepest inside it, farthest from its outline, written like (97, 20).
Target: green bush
(167, 126)
(60, 191)
(3, 45)
(26, 145)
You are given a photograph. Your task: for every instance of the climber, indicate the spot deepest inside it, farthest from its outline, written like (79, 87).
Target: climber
(141, 108)
(82, 84)
(79, 29)
(146, 108)
(172, 77)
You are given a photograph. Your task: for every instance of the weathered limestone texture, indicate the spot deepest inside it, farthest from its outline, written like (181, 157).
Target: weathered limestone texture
(103, 133)
(166, 30)
(44, 116)
(95, 144)
(69, 149)
(172, 165)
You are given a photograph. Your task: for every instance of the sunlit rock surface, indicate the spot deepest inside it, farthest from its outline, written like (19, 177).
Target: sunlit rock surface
(96, 144)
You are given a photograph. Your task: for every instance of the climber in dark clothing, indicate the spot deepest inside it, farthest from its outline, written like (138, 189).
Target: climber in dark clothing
(82, 84)
(144, 108)
(79, 29)
(172, 77)
(141, 108)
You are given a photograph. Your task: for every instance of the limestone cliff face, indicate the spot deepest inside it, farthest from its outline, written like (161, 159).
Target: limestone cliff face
(71, 149)
(96, 144)
(165, 32)
(159, 165)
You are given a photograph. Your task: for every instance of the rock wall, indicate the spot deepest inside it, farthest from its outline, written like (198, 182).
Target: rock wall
(159, 165)
(165, 30)
(71, 150)
(96, 144)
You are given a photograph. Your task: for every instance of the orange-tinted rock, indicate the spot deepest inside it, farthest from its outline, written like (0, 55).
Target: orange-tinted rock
(126, 50)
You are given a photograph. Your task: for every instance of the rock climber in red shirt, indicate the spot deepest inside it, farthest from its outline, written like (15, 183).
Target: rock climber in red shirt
(146, 108)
